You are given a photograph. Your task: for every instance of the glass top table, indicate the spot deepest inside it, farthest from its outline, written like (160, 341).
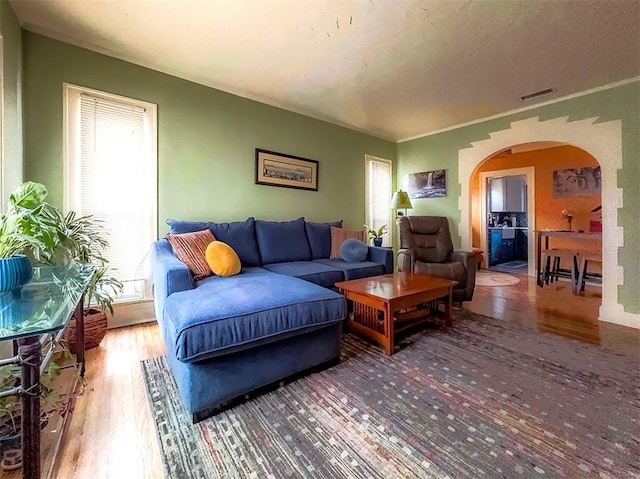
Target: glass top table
(45, 304)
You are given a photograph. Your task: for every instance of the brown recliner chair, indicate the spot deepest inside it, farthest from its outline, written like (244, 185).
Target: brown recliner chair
(426, 248)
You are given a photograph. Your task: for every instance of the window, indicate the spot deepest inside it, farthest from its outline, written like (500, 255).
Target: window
(110, 173)
(378, 194)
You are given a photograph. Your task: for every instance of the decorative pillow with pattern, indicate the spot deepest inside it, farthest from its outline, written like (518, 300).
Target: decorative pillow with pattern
(190, 248)
(338, 235)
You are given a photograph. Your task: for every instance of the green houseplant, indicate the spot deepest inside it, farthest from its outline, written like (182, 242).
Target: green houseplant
(376, 234)
(24, 228)
(82, 239)
(32, 226)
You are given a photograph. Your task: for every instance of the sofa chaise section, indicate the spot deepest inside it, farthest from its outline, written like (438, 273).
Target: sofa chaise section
(230, 336)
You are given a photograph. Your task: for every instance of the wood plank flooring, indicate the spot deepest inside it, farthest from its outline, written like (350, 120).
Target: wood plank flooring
(111, 434)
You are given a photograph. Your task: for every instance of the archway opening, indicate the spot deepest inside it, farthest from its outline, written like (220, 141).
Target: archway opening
(604, 142)
(528, 187)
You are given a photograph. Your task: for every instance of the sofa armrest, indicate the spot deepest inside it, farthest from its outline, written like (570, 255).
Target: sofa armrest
(170, 275)
(406, 260)
(383, 256)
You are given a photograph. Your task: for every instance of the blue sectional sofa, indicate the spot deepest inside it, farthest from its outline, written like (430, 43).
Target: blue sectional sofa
(227, 337)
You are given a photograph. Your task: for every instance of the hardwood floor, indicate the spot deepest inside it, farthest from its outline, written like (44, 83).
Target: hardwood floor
(111, 434)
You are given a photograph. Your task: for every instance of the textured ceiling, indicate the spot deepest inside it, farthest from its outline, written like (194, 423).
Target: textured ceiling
(393, 68)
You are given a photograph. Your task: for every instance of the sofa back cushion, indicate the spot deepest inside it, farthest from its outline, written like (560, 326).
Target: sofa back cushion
(281, 242)
(319, 236)
(240, 235)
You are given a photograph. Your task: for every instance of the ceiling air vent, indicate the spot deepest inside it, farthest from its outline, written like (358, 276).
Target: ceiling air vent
(537, 94)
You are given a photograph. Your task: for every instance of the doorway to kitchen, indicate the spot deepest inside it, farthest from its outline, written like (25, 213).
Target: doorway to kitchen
(507, 219)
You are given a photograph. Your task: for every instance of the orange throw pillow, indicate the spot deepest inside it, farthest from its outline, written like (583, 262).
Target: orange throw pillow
(338, 235)
(190, 248)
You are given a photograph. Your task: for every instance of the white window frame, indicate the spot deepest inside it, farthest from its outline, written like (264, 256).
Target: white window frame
(368, 159)
(71, 149)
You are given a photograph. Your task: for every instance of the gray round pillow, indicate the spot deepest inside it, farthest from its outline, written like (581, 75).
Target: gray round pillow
(353, 250)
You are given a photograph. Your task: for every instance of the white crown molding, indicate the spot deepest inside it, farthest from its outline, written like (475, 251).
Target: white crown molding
(526, 108)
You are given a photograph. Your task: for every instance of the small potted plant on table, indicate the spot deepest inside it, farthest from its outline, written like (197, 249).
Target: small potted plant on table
(376, 234)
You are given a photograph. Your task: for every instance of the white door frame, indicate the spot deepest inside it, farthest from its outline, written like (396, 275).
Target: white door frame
(529, 172)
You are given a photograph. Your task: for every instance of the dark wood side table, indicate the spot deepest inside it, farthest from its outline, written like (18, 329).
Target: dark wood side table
(389, 294)
(40, 309)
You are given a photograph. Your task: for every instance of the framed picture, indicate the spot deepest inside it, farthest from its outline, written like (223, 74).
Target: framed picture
(288, 171)
(577, 182)
(427, 184)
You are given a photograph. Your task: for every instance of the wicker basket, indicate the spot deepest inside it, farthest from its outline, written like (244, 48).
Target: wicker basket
(95, 327)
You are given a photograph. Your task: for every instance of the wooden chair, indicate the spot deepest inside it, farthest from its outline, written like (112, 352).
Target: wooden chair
(583, 262)
(551, 266)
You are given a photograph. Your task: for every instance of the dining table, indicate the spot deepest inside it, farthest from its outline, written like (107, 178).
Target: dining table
(546, 234)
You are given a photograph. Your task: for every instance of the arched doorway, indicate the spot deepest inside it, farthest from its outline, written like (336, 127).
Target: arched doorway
(526, 173)
(601, 140)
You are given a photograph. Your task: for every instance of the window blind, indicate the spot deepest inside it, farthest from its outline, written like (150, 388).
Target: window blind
(378, 195)
(111, 181)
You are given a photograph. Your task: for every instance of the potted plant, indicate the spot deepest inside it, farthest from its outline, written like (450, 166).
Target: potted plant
(81, 239)
(23, 228)
(376, 234)
(38, 228)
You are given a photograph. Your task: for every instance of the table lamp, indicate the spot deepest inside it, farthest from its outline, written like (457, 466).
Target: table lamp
(400, 199)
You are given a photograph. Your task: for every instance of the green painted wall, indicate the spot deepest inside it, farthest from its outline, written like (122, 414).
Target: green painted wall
(623, 103)
(11, 33)
(206, 141)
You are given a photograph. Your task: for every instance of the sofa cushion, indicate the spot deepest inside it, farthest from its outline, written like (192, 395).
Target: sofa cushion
(222, 260)
(227, 313)
(353, 250)
(338, 235)
(319, 236)
(354, 270)
(280, 242)
(190, 248)
(321, 274)
(240, 235)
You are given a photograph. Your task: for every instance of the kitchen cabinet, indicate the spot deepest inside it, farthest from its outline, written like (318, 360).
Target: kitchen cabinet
(495, 251)
(507, 244)
(508, 193)
(522, 245)
(508, 250)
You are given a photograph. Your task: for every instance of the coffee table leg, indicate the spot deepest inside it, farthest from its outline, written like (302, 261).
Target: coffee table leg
(388, 330)
(447, 309)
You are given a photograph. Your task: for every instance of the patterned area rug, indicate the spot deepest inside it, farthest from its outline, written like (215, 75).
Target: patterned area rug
(481, 399)
(490, 278)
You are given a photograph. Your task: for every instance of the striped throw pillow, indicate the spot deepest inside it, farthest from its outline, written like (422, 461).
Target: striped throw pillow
(190, 248)
(338, 235)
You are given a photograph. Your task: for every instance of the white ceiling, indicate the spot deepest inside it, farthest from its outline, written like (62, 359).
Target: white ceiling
(393, 68)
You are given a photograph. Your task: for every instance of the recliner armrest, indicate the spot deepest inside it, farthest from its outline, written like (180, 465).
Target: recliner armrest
(462, 256)
(467, 258)
(406, 260)
(383, 256)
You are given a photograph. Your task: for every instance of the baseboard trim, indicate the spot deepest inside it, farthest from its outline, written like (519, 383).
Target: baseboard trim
(128, 314)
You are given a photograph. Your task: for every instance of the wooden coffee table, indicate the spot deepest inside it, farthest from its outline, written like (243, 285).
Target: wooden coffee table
(377, 301)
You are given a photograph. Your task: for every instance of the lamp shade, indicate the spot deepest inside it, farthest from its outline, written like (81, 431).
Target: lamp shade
(400, 199)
